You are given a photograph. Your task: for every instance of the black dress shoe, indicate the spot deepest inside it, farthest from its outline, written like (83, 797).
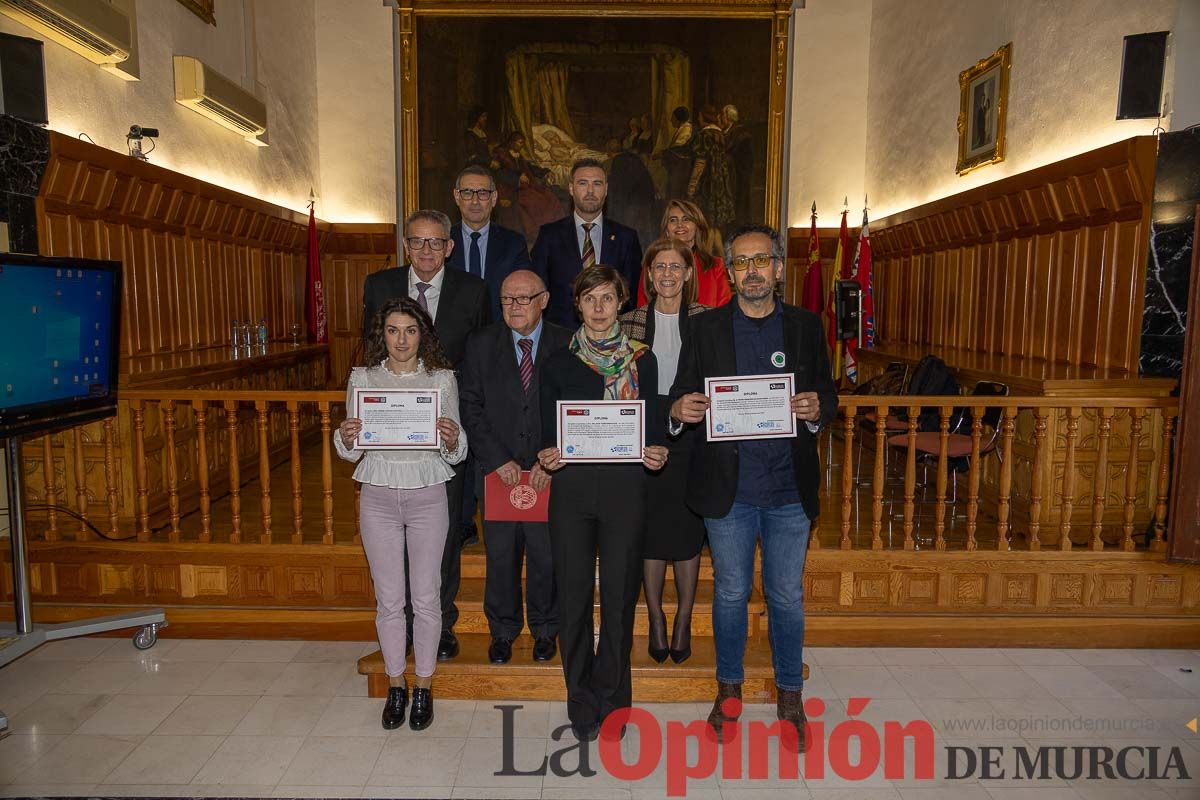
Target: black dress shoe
(544, 648)
(448, 646)
(422, 709)
(585, 732)
(500, 651)
(394, 707)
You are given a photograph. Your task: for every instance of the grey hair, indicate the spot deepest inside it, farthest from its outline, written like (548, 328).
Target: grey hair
(731, 112)
(778, 246)
(475, 169)
(428, 215)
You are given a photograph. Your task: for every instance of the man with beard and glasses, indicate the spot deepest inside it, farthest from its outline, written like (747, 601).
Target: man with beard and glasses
(586, 238)
(763, 489)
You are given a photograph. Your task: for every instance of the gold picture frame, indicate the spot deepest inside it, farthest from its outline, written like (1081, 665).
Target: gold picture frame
(777, 11)
(204, 9)
(982, 110)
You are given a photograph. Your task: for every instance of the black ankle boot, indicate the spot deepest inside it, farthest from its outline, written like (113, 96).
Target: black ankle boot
(422, 709)
(394, 707)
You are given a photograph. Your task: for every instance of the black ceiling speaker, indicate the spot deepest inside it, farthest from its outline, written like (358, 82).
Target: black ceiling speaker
(1140, 96)
(22, 79)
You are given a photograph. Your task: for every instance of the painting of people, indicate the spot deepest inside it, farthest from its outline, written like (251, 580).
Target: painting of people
(672, 108)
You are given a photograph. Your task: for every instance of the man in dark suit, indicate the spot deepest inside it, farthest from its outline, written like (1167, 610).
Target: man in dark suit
(482, 247)
(488, 251)
(458, 303)
(500, 410)
(563, 248)
(757, 489)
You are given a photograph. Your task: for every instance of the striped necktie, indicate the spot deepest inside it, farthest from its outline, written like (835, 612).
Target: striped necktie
(526, 365)
(589, 249)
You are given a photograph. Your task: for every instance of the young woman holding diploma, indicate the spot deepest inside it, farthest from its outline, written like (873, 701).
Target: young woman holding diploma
(599, 508)
(403, 502)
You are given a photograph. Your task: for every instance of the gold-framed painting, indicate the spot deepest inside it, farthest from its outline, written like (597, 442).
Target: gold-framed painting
(600, 78)
(983, 107)
(204, 9)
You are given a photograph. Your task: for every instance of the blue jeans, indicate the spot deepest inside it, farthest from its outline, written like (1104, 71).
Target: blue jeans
(732, 540)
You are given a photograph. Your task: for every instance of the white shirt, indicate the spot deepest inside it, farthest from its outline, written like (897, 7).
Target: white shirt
(596, 232)
(405, 469)
(483, 244)
(431, 294)
(667, 345)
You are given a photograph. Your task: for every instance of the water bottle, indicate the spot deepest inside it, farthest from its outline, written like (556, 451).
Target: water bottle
(247, 337)
(262, 333)
(235, 335)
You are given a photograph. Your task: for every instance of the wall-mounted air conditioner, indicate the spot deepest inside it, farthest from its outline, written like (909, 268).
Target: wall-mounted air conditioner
(208, 92)
(91, 28)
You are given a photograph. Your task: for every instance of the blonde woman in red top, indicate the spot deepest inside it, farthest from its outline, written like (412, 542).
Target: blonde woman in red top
(683, 220)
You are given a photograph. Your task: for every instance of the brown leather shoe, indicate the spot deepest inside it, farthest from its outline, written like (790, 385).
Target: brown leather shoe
(790, 708)
(731, 692)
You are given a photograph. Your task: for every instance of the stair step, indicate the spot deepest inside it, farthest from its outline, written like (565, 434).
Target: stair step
(472, 676)
(474, 564)
(471, 618)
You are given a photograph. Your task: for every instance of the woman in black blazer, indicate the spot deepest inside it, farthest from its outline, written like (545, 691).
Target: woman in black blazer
(599, 507)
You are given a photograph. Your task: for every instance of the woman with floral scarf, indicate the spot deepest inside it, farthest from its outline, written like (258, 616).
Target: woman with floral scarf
(599, 508)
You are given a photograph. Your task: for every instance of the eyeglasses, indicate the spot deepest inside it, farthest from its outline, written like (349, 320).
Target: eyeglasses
(673, 266)
(421, 242)
(470, 194)
(759, 260)
(520, 299)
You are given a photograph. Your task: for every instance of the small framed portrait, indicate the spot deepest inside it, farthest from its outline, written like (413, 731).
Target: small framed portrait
(983, 103)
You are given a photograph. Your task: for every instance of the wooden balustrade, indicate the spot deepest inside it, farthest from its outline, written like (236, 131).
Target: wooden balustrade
(1050, 489)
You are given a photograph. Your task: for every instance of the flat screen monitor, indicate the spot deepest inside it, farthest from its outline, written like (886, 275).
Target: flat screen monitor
(59, 352)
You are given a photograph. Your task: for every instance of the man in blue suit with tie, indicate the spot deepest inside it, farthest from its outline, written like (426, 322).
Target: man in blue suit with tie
(586, 237)
(488, 251)
(481, 247)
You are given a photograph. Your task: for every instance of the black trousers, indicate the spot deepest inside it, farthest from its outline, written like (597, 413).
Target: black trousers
(597, 510)
(508, 544)
(451, 558)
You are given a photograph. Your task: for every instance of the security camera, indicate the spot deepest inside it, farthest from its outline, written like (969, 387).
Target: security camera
(134, 139)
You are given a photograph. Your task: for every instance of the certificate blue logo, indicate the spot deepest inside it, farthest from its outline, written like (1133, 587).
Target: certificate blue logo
(570, 448)
(720, 428)
(367, 435)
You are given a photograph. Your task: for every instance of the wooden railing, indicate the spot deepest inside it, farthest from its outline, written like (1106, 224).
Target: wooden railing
(1047, 501)
(1056, 473)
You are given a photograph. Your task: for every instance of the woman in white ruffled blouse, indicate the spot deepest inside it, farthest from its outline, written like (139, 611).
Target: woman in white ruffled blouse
(403, 502)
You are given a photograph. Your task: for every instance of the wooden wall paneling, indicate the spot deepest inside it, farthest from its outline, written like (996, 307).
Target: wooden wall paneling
(1080, 225)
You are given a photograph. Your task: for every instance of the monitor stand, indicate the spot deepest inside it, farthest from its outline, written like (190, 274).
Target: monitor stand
(24, 636)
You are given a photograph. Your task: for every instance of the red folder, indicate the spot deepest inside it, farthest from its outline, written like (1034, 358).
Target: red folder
(520, 503)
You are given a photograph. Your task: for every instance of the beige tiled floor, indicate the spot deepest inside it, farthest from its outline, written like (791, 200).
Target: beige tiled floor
(292, 719)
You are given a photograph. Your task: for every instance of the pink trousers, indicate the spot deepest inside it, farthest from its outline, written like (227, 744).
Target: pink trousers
(390, 520)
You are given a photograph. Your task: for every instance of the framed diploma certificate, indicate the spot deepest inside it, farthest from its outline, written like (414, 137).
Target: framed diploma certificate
(397, 419)
(601, 431)
(750, 407)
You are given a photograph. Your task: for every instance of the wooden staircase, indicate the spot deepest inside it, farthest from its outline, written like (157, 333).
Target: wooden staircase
(472, 676)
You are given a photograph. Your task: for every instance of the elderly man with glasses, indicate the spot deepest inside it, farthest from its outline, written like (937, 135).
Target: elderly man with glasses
(762, 489)
(502, 416)
(457, 302)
